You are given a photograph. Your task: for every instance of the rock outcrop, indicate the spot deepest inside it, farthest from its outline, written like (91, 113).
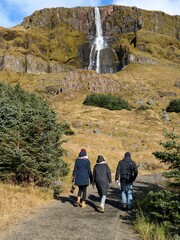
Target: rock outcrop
(52, 40)
(115, 20)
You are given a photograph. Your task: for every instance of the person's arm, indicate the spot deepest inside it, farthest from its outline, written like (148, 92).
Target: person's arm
(94, 176)
(90, 174)
(135, 171)
(75, 170)
(117, 172)
(109, 174)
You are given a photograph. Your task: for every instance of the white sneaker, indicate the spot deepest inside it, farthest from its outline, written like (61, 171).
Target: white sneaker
(102, 208)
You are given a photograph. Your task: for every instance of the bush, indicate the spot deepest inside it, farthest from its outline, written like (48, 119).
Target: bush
(174, 106)
(30, 139)
(162, 207)
(171, 156)
(107, 101)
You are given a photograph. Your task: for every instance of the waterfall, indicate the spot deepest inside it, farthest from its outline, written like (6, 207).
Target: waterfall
(98, 44)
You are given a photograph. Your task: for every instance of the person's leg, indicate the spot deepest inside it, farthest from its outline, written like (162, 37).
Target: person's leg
(103, 199)
(84, 193)
(80, 191)
(129, 194)
(99, 191)
(123, 194)
(78, 196)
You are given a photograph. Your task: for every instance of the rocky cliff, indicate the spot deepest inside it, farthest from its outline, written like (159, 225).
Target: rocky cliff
(58, 39)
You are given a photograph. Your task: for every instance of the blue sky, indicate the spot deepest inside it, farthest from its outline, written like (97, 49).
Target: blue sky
(12, 12)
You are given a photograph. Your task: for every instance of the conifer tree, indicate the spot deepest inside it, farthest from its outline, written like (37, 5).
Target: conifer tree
(30, 138)
(163, 206)
(171, 156)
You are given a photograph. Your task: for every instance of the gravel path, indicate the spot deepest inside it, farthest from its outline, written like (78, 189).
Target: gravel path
(62, 221)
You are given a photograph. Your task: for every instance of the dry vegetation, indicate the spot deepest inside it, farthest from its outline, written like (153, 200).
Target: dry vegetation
(106, 132)
(18, 202)
(100, 131)
(111, 133)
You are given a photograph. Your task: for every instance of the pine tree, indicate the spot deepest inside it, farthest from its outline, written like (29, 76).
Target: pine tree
(171, 156)
(163, 206)
(30, 138)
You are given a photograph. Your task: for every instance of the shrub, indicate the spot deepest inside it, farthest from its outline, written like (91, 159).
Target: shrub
(107, 101)
(174, 106)
(162, 208)
(30, 139)
(171, 156)
(165, 204)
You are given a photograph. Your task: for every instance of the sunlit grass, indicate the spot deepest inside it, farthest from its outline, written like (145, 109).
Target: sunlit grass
(99, 131)
(150, 231)
(16, 202)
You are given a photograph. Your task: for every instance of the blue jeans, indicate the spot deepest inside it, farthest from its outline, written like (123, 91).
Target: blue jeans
(126, 193)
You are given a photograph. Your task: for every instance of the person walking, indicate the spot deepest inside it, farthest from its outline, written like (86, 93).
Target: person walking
(81, 175)
(102, 178)
(127, 171)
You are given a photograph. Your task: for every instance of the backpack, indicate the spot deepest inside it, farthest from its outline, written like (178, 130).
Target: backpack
(128, 171)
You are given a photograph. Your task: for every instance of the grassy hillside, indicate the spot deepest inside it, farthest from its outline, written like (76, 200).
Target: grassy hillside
(105, 132)
(59, 48)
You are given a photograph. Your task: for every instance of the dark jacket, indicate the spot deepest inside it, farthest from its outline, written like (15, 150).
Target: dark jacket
(82, 171)
(126, 169)
(101, 176)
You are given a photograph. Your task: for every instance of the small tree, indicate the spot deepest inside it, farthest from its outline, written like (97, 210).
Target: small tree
(171, 156)
(30, 138)
(163, 206)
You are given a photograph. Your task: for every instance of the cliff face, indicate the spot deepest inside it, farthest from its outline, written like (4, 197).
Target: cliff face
(115, 20)
(56, 39)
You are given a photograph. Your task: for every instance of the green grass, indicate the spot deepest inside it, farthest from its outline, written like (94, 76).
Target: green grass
(150, 231)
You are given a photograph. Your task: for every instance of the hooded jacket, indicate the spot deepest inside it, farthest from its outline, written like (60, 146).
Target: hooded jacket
(82, 170)
(126, 169)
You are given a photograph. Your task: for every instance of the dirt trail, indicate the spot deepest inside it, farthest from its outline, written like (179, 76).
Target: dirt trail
(62, 221)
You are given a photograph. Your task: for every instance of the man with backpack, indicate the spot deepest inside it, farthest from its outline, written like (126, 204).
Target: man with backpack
(127, 171)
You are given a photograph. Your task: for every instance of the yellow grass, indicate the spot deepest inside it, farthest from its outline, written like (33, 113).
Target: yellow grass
(100, 131)
(105, 132)
(150, 231)
(18, 202)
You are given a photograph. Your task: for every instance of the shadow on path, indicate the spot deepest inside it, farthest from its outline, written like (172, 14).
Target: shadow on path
(142, 185)
(62, 221)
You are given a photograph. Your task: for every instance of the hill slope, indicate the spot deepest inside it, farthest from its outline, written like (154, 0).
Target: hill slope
(106, 132)
(44, 55)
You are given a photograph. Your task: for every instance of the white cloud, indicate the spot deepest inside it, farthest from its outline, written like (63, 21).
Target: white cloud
(12, 12)
(171, 7)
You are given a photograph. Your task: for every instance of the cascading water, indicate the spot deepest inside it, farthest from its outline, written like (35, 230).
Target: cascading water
(98, 45)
